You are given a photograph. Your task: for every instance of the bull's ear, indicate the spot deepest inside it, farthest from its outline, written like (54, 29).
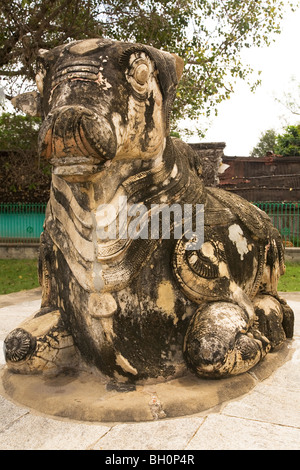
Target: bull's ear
(29, 103)
(179, 66)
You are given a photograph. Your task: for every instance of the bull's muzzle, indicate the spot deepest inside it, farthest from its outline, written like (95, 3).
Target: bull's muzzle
(76, 140)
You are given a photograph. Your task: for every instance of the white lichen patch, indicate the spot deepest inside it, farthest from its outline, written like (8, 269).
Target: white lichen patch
(105, 85)
(166, 299)
(125, 364)
(82, 47)
(223, 269)
(208, 250)
(107, 326)
(236, 235)
(193, 259)
(174, 171)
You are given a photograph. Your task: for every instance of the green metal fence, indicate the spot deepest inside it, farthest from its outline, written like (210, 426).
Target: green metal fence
(285, 217)
(21, 223)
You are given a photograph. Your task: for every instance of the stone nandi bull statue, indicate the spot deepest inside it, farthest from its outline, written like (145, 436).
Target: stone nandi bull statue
(138, 308)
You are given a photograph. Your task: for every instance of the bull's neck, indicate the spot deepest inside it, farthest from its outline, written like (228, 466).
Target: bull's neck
(133, 178)
(76, 208)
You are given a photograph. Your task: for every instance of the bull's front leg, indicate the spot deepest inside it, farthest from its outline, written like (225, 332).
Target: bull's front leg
(41, 344)
(222, 341)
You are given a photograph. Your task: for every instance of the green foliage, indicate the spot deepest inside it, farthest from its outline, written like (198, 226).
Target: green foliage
(18, 132)
(175, 134)
(24, 176)
(267, 143)
(209, 35)
(288, 143)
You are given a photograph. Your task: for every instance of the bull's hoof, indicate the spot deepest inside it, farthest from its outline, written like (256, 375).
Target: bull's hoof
(220, 341)
(19, 345)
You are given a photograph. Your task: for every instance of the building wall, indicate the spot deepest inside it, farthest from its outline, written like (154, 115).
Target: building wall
(272, 178)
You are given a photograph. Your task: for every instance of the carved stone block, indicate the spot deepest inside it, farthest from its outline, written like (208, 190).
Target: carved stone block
(146, 273)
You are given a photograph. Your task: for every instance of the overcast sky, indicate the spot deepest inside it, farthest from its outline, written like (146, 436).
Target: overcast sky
(243, 118)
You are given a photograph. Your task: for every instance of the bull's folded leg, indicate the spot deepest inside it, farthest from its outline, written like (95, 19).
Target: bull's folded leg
(275, 318)
(221, 341)
(40, 345)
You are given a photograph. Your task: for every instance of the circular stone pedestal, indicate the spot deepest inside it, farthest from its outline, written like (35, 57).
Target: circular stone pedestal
(85, 397)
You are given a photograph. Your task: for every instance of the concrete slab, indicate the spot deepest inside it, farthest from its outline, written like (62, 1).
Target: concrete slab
(14, 298)
(84, 397)
(220, 432)
(276, 407)
(158, 435)
(47, 434)
(281, 399)
(10, 413)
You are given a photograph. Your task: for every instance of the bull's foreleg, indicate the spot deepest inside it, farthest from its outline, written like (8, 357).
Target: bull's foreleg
(41, 344)
(221, 341)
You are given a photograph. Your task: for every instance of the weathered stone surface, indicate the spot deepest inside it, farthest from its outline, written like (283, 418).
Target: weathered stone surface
(208, 161)
(132, 301)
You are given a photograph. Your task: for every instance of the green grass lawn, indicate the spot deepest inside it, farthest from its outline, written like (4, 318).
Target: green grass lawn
(290, 281)
(21, 274)
(18, 274)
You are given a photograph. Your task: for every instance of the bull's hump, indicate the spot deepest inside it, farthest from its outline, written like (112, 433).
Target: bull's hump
(88, 46)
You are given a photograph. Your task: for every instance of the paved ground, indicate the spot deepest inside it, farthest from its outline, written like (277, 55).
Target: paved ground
(266, 418)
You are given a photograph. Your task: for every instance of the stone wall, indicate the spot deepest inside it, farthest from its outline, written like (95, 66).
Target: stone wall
(270, 178)
(292, 254)
(19, 251)
(210, 155)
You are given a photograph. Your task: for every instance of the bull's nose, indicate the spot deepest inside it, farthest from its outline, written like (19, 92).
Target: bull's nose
(68, 136)
(76, 135)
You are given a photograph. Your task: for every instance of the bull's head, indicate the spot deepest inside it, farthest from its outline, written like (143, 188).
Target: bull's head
(101, 100)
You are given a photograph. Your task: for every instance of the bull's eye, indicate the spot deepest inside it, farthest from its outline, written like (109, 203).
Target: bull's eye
(139, 72)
